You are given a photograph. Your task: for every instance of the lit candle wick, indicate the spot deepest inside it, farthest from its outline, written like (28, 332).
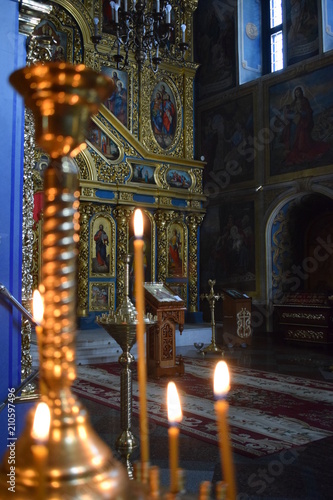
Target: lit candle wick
(140, 331)
(221, 388)
(174, 416)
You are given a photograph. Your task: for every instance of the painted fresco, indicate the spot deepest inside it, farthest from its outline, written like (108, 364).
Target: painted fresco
(301, 122)
(117, 102)
(227, 143)
(215, 49)
(302, 30)
(163, 114)
(228, 246)
(143, 174)
(102, 142)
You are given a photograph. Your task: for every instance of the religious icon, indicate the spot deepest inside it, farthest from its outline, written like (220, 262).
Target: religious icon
(176, 250)
(163, 114)
(101, 245)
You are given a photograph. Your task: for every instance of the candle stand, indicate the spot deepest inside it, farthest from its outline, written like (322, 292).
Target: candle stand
(121, 326)
(78, 463)
(212, 297)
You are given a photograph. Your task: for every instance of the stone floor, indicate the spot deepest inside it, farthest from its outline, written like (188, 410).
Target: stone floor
(304, 473)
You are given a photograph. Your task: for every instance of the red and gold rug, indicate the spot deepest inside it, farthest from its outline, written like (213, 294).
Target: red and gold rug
(268, 412)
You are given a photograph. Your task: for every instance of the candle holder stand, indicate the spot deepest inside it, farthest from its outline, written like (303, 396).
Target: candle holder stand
(121, 326)
(212, 297)
(78, 463)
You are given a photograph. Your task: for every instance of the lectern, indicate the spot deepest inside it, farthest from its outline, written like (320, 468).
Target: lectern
(161, 343)
(237, 308)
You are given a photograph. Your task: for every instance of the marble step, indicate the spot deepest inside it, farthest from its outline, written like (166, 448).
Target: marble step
(96, 346)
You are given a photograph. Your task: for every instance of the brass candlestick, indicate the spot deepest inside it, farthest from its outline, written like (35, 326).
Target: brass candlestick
(62, 97)
(121, 326)
(212, 297)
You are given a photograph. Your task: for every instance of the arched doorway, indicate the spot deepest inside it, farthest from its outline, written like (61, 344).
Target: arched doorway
(299, 242)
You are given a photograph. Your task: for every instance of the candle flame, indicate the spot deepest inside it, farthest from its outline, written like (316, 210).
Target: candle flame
(41, 426)
(174, 409)
(221, 379)
(38, 307)
(138, 223)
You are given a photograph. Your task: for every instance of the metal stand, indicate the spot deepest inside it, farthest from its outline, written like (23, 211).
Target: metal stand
(121, 326)
(212, 298)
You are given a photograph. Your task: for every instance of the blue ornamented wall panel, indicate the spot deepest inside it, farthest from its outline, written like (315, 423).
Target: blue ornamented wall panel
(12, 56)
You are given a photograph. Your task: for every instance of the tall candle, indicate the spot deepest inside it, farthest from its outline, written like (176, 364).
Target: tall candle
(221, 388)
(140, 330)
(183, 28)
(96, 21)
(174, 416)
(40, 434)
(168, 13)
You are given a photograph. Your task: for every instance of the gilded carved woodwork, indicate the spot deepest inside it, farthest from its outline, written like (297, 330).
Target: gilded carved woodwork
(162, 219)
(87, 211)
(137, 144)
(193, 223)
(27, 240)
(122, 215)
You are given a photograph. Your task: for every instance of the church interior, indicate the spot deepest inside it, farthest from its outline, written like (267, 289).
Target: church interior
(168, 192)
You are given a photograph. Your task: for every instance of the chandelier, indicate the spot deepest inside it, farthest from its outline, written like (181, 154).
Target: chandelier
(142, 32)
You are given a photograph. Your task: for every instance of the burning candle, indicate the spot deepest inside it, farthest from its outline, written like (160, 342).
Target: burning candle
(221, 388)
(40, 433)
(140, 330)
(38, 312)
(174, 416)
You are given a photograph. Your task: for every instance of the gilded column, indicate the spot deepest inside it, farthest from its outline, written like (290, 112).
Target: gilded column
(122, 215)
(86, 210)
(193, 222)
(162, 218)
(35, 53)
(27, 241)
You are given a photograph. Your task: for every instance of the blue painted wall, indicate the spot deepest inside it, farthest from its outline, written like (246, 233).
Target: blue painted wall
(12, 56)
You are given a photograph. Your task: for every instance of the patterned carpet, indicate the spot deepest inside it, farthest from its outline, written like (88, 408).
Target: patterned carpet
(268, 413)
